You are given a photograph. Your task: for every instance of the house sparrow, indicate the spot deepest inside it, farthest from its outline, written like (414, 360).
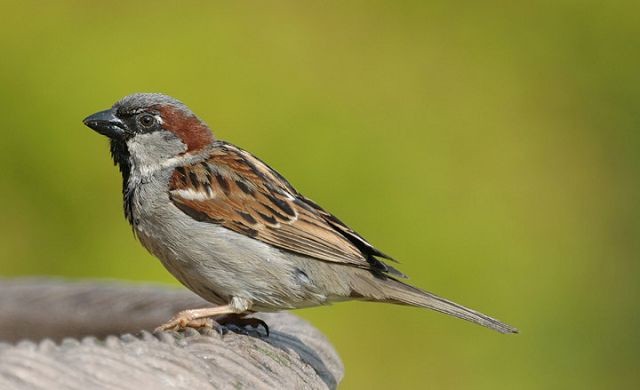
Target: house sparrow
(233, 230)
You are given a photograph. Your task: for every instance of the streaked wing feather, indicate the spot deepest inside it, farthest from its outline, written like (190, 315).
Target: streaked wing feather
(238, 191)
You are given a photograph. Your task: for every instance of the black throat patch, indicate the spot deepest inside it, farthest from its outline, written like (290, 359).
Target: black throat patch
(122, 159)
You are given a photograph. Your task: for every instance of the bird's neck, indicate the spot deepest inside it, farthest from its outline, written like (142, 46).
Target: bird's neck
(135, 171)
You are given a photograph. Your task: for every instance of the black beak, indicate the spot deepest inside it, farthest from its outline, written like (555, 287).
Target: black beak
(106, 123)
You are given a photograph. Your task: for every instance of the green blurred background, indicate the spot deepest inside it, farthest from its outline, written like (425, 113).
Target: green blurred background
(493, 148)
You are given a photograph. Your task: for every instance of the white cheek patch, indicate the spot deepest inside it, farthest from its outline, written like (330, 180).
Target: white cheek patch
(152, 151)
(191, 194)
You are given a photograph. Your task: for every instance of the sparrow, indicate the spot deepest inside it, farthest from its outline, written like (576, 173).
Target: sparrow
(233, 230)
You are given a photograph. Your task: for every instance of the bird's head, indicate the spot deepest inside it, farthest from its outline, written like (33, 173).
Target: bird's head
(150, 127)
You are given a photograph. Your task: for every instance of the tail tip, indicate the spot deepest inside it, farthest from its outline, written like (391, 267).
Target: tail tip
(505, 329)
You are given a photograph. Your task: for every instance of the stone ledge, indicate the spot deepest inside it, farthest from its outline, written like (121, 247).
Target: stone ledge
(59, 334)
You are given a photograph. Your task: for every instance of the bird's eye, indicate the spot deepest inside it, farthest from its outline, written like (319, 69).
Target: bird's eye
(147, 120)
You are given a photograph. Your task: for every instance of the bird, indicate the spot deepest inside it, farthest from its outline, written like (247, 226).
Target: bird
(234, 231)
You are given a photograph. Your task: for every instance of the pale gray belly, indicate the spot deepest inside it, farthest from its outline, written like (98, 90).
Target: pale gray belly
(217, 263)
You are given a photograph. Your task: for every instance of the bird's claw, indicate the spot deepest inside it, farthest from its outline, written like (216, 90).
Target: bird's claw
(239, 323)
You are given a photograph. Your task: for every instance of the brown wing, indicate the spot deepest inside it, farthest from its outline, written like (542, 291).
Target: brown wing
(234, 189)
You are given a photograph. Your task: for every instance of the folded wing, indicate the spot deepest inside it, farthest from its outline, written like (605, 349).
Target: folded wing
(236, 190)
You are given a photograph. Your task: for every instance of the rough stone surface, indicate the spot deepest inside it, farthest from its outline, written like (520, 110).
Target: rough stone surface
(57, 334)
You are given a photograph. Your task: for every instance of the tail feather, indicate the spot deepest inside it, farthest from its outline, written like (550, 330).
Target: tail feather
(402, 293)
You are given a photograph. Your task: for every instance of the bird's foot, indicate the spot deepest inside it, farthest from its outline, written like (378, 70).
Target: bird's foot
(201, 318)
(239, 322)
(182, 321)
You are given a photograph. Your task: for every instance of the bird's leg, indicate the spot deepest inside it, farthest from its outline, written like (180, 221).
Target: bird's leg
(198, 318)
